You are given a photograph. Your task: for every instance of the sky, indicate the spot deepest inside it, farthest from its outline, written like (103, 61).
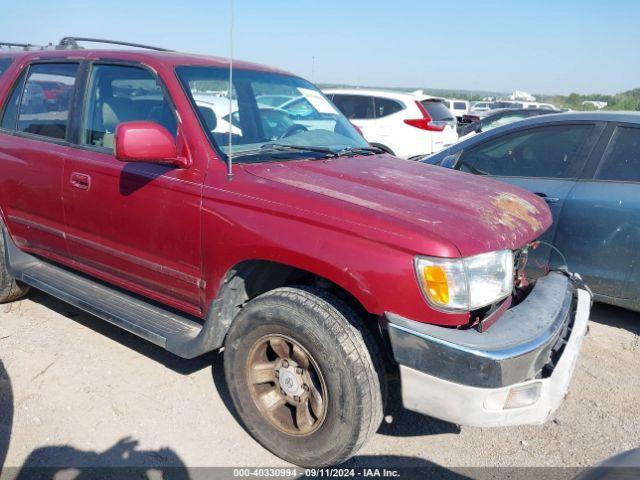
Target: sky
(542, 46)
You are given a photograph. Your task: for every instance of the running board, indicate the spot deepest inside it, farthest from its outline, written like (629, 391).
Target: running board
(167, 329)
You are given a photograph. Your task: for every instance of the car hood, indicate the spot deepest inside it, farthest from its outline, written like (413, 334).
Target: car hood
(434, 204)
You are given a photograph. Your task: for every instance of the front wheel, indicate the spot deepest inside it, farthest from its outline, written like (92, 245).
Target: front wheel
(304, 375)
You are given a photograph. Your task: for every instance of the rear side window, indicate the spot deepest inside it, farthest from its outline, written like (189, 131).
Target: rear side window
(460, 106)
(385, 106)
(437, 110)
(123, 94)
(46, 98)
(546, 152)
(622, 158)
(355, 107)
(4, 64)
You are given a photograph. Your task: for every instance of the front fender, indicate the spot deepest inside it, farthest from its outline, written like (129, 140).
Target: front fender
(379, 276)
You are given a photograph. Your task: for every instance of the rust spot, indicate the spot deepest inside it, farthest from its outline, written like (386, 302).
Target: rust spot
(511, 210)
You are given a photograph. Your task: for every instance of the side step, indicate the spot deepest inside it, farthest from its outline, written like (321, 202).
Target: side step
(172, 331)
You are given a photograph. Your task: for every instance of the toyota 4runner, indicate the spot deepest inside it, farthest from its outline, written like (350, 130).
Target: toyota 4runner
(162, 194)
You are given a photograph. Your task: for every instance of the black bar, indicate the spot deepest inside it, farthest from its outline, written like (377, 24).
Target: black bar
(72, 42)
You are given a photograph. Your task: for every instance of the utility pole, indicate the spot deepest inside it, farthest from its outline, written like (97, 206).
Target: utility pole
(313, 69)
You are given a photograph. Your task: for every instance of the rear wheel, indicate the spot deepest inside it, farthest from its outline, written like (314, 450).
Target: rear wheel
(304, 375)
(10, 288)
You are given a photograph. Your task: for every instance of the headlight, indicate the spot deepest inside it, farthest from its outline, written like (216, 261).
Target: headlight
(464, 284)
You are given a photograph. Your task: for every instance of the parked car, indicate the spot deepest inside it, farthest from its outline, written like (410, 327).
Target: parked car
(402, 124)
(586, 166)
(480, 107)
(457, 107)
(495, 118)
(318, 263)
(523, 104)
(273, 100)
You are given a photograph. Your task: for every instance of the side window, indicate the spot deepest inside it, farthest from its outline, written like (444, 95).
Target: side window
(384, 107)
(46, 98)
(355, 107)
(4, 64)
(622, 158)
(545, 152)
(10, 115)
(122, 94)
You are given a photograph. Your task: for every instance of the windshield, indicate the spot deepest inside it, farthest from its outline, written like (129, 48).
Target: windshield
(264, 110)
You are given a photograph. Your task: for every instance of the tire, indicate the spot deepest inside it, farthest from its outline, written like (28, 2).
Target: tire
(348, 375)
(10, 288)
(383, 147)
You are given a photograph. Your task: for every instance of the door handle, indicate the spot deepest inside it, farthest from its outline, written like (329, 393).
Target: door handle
(547, 198)
(81, 181)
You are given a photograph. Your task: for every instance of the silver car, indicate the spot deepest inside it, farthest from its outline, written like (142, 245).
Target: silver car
(587, 168)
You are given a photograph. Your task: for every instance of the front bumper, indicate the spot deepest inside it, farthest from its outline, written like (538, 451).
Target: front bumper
(467, 377)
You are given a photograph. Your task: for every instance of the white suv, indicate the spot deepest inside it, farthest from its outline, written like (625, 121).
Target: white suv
(403, 124)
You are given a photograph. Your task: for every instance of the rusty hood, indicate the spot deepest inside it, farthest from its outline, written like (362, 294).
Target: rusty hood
(473, 213)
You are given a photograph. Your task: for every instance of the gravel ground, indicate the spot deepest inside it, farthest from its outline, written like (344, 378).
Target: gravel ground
(76, 390)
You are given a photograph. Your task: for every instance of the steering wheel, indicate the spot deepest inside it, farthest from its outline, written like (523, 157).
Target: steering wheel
(293, 129)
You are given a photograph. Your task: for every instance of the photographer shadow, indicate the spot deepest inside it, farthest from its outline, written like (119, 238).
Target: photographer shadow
(122, 460)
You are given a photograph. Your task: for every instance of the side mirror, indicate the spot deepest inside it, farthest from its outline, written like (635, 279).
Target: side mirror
(147, 142)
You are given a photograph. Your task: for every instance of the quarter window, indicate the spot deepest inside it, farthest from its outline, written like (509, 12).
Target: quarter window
(123, 94)
(385, 106)
(622, 158)
(10, 116)
(546, 152)
(46, 99)
(4, 64)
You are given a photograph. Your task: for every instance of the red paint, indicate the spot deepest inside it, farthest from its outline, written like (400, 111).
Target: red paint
(424, 123)
(145, 142)
(172, 234)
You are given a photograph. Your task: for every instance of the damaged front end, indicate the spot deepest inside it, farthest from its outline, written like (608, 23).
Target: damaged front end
(516, 372)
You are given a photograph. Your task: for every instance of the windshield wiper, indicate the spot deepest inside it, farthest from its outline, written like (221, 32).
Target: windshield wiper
(325, 151)
(360, 151)
(283, 147)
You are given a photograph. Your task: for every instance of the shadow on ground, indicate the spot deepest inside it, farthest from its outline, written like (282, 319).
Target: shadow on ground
(129, 340)
(616, 317)
(6, 413)
(122, 460)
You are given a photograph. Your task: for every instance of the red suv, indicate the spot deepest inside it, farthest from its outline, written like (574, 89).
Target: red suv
(161, 195)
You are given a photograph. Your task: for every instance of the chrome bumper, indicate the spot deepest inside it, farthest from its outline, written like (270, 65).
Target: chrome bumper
(469, 378)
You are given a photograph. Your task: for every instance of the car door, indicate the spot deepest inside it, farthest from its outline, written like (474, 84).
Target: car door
(34, 143)
(385, 124)
(600, 223)
(134, 224)
(545, 160)
(359, 110)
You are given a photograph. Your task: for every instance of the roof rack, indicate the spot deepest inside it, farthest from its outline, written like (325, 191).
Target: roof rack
(24, 46)
(71, 43)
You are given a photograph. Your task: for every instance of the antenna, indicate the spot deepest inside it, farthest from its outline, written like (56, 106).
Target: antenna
(230, 95)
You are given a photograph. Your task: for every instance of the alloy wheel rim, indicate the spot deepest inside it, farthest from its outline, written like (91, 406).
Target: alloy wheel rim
(287, 385)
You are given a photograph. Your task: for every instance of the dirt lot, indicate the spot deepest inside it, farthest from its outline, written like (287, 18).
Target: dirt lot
(75, 390)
